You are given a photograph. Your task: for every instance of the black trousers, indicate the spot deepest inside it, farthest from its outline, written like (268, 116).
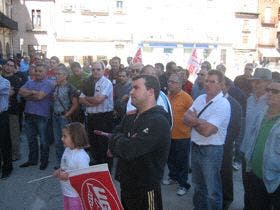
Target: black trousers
(5, 143)
(248, 186)
(142, 198)
(226, 174)
(99, 144)
(261, 199)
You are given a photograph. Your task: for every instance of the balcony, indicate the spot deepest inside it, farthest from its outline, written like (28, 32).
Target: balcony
(95, 12)
(272, 22)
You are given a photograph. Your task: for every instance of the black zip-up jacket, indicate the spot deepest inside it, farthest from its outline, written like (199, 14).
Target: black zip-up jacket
(142, 143)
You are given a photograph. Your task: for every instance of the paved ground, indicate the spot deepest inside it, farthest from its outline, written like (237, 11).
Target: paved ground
(17, 194)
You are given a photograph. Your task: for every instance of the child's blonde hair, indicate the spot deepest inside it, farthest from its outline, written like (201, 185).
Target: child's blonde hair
(78, 134)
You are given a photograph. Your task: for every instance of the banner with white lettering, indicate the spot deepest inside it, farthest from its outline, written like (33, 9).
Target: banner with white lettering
(96, 188)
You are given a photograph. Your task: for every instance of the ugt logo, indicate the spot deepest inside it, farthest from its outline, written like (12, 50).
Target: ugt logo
(96, 196)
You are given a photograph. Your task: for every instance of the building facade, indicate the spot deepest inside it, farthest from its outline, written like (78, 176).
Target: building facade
(231, 33)
(8, 28)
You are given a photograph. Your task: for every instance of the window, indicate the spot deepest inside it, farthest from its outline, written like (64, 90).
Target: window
(67, 59)
(148, 49)
(267, 15)
(168, 50)
(36, 18)
(188, 50)
(119, 5)
(245, 39)
(38, 50)
(245, 27)
(224, 56)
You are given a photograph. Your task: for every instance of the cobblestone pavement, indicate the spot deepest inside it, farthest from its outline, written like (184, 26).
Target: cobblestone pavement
(17, 194)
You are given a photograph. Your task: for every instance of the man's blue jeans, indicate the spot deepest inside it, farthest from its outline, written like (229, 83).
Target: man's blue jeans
(206, 177)
(178, 161)
(58, 124)
(37, 125)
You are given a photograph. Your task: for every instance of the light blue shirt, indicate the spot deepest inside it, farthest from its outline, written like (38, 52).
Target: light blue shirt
(254, 107)
(4, 94)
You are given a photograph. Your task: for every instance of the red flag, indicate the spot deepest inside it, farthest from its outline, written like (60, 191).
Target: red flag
(96, 188)
(193, 63)
(138, 56)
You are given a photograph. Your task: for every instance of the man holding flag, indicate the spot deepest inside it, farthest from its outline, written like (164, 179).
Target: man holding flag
(142, 144)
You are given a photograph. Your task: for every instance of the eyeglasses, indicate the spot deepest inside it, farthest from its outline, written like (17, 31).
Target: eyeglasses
(273, 91)
(211, 81)
(200, 74)
(135, 70)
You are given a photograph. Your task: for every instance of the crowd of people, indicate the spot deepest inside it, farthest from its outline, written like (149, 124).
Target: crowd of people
(152, 115)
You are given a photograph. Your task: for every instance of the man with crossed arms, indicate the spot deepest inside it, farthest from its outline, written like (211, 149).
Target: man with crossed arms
(209, 128)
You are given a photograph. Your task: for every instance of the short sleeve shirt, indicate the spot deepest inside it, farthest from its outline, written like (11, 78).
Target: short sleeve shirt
(217, 114)
(103, 87)
(39, 107)
(72, 159)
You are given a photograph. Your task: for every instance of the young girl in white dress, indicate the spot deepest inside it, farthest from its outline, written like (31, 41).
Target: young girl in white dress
(75, 139)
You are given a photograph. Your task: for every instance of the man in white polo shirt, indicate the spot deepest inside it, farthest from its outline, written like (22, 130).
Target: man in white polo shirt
(209, 117)
(97, 96)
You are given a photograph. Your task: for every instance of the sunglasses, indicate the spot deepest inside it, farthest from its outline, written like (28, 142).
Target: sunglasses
(273, 91)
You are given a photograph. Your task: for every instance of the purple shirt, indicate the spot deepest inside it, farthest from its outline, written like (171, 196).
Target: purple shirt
(39, 107)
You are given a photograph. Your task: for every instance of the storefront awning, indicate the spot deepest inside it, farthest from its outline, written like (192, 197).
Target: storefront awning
(269, 52)
(7, 22)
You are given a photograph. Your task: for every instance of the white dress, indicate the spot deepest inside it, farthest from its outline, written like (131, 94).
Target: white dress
(72, 159)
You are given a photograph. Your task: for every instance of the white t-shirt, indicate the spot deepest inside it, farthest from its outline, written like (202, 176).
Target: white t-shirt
(72, 160)
(103, 87)
(217, 114)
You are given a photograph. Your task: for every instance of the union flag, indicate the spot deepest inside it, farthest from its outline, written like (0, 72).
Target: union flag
(193, 64)
(96, 188)
(138, 56)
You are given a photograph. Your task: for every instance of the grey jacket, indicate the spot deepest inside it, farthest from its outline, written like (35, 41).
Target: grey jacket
(271, 156)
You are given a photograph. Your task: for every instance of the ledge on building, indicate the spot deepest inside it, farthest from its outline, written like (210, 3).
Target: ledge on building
(269, 52)
(7, 22)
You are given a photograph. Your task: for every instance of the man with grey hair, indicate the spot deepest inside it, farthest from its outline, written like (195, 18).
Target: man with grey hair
(256, 103)
(98, 100)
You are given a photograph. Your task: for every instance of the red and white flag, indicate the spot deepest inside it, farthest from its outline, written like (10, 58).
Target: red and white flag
(138, 56)
(96, 188)
(193, 64)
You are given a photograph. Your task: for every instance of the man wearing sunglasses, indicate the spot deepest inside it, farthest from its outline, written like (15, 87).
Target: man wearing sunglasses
(256, 103)
(97, 97)
(198, 86)
(263, 163)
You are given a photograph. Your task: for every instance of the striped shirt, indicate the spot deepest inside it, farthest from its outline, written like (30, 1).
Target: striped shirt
(4, 94)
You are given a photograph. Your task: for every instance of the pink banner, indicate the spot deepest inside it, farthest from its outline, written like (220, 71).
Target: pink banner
(96, 188)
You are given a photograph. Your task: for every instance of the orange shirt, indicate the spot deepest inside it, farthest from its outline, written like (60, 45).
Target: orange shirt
(180, 103)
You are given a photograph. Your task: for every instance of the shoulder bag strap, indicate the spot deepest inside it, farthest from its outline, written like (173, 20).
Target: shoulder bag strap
(207, 105)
